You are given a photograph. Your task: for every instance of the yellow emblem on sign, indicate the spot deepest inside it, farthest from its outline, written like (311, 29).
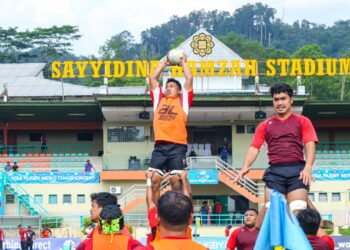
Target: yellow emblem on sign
(202, 44)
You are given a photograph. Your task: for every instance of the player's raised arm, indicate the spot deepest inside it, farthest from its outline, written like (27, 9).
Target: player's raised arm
(188, 75)
(154, 77)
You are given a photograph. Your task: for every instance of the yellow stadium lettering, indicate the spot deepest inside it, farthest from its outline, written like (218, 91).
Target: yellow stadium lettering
(56, 73)
(283, 63)
(81, 66)
(95, 66)
(119, 69)
(130, 68)
(344, 64)
(236, 68)
(108, 69)
(251, 67)
(192, 66)
(331, 66)
(141, 68)
(222, 71)
(296, 68)
(309, 67)
(207, 68)
(68, 70)
(271, 70)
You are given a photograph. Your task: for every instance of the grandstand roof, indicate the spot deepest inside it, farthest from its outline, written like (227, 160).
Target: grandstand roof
(26, 80)
(327, 110)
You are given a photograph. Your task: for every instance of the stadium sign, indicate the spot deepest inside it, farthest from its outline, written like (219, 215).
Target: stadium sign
(221, 68)
(207, 176)
(41, 243)
(53, 177)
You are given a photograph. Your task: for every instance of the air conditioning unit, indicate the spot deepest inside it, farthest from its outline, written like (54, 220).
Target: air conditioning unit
(115, 189)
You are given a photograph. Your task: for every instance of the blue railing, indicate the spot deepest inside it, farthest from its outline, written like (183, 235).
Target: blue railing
(140, 220)
(24, 197)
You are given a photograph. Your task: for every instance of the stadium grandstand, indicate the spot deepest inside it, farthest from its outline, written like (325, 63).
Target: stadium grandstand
(112, 127)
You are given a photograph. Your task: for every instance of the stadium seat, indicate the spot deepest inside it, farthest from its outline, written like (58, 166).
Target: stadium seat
(29, 155)
(11, 155)
(61, 155)
(36, 155)
(17, 155)
(73, 155)
(79, 154)
(86, 154)
(67, 155)
(23, 155)
(48, 155)
(54, 155)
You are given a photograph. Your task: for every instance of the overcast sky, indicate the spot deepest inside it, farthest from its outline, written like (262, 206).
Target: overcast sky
(99, 20)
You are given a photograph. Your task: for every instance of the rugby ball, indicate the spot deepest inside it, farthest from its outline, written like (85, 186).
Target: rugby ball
(175, 56)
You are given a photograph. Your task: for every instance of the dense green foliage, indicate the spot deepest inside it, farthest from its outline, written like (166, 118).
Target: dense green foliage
(252, 31)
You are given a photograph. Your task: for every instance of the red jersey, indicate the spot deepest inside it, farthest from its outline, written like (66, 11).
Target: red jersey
(23, 234)
(285, 138)
(243, 238)
(170, 116)
(324, 242)
(1, 234)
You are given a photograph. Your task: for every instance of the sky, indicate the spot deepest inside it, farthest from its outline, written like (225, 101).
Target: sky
(98, 20)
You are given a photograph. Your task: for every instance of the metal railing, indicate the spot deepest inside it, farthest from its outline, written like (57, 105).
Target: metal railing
(333, 147)
(24, 197)
(230, 171)
(37, 148)
(141, 220)
(126, 162)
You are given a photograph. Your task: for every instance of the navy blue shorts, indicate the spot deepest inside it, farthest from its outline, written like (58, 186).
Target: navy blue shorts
(169, 156)
(284, 177)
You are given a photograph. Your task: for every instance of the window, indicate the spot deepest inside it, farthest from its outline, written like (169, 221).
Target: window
(38, 199)
(323, 197)
(312, 196)
(67, 198)
(81, 198)
(250, 129)
(336, 197)
(85, 137)
(10, 199)
(126, 134)
(35, 137)
(53, 199)
(240, 129)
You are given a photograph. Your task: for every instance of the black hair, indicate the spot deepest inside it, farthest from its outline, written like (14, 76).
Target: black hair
(252, 209)
(281, 88)
(175, 81)
(309, 221)
(174, 210)
(104, 199)
(111, 212)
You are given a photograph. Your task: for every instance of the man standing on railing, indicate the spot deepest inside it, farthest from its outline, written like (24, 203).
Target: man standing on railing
(169, 124)
(286, 135)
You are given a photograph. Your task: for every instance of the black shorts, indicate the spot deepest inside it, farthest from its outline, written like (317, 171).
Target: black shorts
(285, 177)
(167, 157)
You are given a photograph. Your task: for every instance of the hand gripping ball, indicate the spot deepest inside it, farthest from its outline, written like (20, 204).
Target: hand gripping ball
(175, 56)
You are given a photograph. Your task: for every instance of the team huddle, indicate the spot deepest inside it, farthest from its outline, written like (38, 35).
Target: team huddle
(170, 212)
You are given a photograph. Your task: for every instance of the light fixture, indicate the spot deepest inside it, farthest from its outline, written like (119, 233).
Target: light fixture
(23, 114)
(77, 114)
(327, 113)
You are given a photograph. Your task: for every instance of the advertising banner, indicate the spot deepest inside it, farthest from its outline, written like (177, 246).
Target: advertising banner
(331, 174)
(47, 244)
(207, 176)
(53, 177)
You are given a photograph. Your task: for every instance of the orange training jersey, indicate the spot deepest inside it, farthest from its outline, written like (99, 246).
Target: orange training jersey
(173, 243)
(108, 241)
(170, 116)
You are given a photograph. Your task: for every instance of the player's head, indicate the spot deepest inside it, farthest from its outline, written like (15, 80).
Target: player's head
(309, 221)
(111, 219)
(282, 98)
(99, 201)
(172, 88)
(174, 211)
(250, 217)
